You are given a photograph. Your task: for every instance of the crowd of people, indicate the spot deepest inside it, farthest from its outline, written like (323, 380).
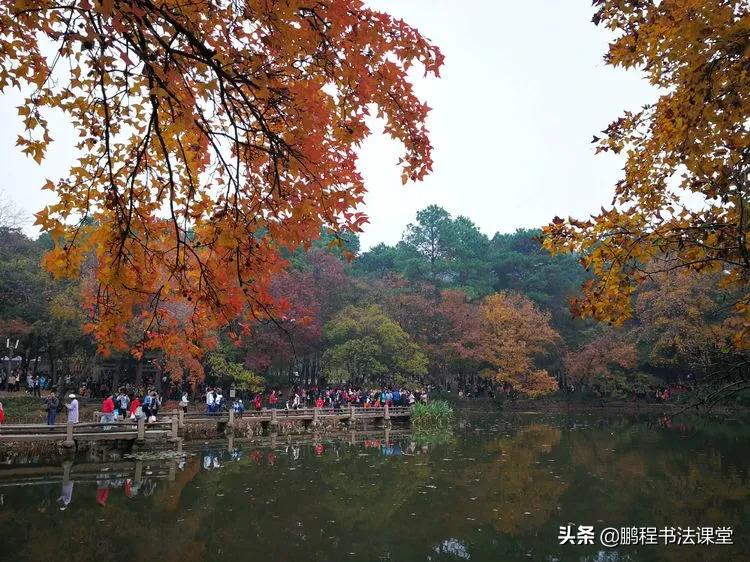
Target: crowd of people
(121, 406)
(315, 397)
(134, 403)
(665, 393)
(32, 383)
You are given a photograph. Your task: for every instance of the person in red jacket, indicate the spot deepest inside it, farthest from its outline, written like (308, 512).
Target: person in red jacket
(2, 413)
(258, 402)
(108, 411)
(134, 405)
(273, 399)
(319, 402)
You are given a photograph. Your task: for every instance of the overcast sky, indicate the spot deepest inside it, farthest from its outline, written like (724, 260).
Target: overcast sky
(522, 92)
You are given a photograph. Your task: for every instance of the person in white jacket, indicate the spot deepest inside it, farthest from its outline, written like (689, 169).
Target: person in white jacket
(184, 402)
(72, 407)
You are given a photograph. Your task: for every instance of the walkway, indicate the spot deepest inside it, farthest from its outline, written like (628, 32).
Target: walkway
(168, 425)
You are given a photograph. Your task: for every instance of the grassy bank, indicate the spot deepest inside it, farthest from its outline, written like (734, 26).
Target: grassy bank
(20, 408)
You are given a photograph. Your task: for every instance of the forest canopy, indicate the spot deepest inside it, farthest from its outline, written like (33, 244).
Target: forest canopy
(398, 315)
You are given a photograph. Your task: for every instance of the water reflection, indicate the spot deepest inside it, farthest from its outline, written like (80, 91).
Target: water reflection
(66, 494)
(498, 490)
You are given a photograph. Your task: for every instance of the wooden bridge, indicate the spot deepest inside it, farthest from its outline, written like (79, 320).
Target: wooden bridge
(70, 433)
(272, 417)
(169, 425)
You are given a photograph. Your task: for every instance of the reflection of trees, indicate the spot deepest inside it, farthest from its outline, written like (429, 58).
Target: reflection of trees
(382, 490)
(657, 478)
(701, 490)
(666, 480)
(516, 483)
(605, 454)
(622, 474)
(411, 507)
(294, 506)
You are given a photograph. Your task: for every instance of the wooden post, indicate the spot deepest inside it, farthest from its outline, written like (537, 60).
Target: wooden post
(352, 415)
(229, 428)
(141, 430)
(181, 415)
(316, 421)
(387, 416)
(274, 419)
(67, 465)
(69, 443)
(174, 438)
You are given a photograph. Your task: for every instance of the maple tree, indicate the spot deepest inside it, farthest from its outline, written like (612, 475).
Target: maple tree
(458, 351)
(312, 292)
(683, 201)
(688, 326)
(513, 334)
(212, 134)
(464, 258)
(681, 322)
(275, 342)
(520, 264)
(603, 363)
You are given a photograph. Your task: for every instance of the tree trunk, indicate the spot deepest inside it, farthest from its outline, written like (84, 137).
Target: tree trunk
(116, 374)
(316, 367)
(25, 360)
(52, 365)
(35, 351)
(138, 373)
(157, 379)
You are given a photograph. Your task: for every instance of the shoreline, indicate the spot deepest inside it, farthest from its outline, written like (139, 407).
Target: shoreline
(542, 406)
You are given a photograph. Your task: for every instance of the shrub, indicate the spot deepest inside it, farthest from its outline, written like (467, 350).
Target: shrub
(436, 414)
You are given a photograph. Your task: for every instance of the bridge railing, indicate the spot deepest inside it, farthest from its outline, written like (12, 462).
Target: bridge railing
(88, 430)
(171, 422)
(8, 429)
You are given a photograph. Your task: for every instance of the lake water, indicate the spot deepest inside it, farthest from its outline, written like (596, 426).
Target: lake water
(498, 489)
